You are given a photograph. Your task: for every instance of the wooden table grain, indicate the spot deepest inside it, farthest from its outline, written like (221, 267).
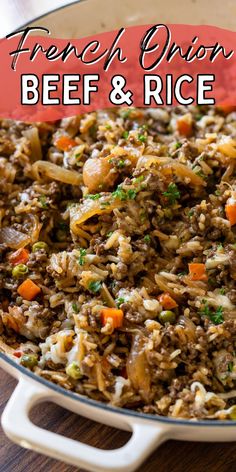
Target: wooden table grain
(173, 456)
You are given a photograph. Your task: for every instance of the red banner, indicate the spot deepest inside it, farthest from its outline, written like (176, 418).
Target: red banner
(153, 65)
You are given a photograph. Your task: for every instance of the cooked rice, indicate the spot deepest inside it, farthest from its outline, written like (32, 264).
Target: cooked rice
(123, 211)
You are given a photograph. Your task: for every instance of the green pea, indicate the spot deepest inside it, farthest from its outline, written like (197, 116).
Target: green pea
(73, 371)
(232, 414)
(29, 360)
(19, 270)
(167, 316)
(40, 245)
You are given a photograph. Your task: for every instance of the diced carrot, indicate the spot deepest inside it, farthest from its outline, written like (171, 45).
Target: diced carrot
(28, 289)
(19, 257)
(230, 210)
(64, 143)
(197, 271)
(17, 354)
(167, 301)
(226, 109)
(114, 315)
(185, 125)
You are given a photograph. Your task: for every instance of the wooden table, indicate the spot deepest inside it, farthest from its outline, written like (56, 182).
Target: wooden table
(173, 456)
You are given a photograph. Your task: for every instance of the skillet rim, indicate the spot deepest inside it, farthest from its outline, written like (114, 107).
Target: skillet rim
(83, 399)
(113, 409)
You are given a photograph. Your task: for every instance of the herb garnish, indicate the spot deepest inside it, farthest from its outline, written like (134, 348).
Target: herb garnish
(178, 145)
(96, 196)
(230, 366)
(142, 138)
(147, 238)
(215, 316)
(94, 286)
(82, 254)
(125, 134)
(43, 200)
(126, 113)
(198, 117)
(139, 179)
(119, 302)
(124, 195)
(75, 307)
(121, 164)
(172, 193)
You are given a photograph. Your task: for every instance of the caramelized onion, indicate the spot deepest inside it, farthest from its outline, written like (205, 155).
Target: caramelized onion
(55, 172)
(13, 238)
(188, 325)
(227, 146)
(36, 228)
(88, 208)
(137, 367)
(181, 170)
(32, 135)
(98, 174)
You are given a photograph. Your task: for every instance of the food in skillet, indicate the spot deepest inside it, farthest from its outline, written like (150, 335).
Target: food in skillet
(118, 267)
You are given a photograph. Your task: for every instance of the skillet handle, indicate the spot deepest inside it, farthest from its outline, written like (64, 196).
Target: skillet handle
(19, 428)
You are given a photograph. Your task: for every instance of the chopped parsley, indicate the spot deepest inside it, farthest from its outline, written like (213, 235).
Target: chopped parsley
(230, 366)
(142, 138)
(198, 117)
(124, 195)
(82, 254)
(200, 174)
(126, 113)
(119, 193)
(121, 163)
(104, 204)
(131, 194)
(139, 179)
(43, 201)
(108, 127)
(147, 238)
(215, 316)
(222, 291)
(217, 193)
(125, 134)
(94, 286)
(96, 196)
(119, 302)
(191, 213)
(172, 193)
(75, 307)
(178, 145)
(109, 234)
